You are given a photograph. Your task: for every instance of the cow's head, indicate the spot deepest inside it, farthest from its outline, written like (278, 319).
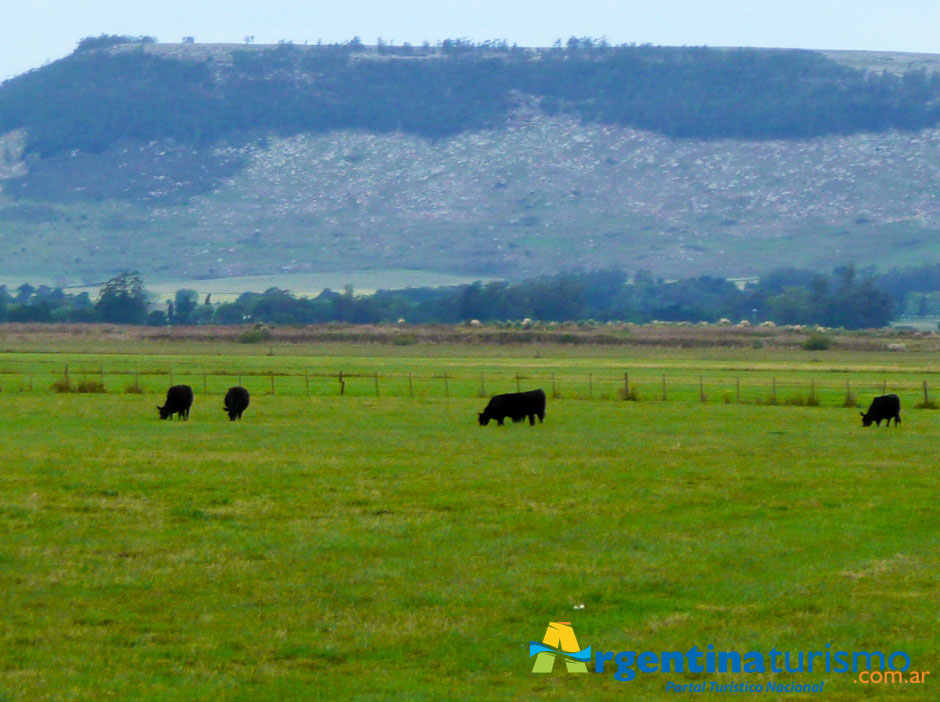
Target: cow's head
(164, 412)
(484, 419)
(231, 413)
(866, 419)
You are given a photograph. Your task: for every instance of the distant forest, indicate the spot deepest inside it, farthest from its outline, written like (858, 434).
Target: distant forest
(787, 296)
(100, 94)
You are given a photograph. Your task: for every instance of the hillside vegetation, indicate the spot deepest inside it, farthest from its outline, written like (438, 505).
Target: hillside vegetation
(95, 98)
(193, 161)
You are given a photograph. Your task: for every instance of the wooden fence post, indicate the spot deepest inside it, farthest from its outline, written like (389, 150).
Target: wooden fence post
(664, 387)
(411, 386)
(701, 390)
(67, 384)
(482, 386)
(554, 389)
(272, 382)
(926, 398)
(376, 383)
(307, 381)
(591, 385)
(517, 383)
(737, 389)
(342, 384)
(626, 385)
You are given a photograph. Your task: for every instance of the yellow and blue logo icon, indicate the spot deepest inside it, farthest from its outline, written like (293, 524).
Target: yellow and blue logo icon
(559, 643)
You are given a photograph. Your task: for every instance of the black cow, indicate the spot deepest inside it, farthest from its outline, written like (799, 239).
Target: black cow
(179, 398)
(883, 407)
(236, 402)
(515, 405)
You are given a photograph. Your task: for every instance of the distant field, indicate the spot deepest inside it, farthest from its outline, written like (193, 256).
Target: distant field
(368, 547)
(301, 284)
(312, 284)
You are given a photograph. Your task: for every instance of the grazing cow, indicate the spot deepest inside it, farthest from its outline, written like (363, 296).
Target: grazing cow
(236, 402)
(883, 407)
(515, 405)
(179, 398)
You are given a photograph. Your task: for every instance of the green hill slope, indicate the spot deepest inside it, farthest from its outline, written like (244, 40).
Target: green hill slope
(197, 161)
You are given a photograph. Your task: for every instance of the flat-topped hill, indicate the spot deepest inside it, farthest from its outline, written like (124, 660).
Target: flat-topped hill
(194, 161)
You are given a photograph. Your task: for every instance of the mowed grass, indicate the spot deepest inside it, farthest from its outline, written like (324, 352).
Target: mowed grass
(369, 548)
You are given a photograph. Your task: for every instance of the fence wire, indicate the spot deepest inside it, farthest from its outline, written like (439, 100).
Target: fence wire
(796, 388)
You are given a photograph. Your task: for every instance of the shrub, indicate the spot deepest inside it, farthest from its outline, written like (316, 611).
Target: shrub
(255, 335)
(404, 340)
(817, 342)
(631, 396)
(95, 386)
(927, 404)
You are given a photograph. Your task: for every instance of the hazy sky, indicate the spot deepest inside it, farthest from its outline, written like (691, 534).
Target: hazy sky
(35, 31)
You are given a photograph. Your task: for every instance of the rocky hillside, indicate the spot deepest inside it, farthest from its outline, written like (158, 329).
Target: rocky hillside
(238, 161)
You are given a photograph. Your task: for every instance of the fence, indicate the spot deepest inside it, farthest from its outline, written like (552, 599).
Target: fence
(831, 388)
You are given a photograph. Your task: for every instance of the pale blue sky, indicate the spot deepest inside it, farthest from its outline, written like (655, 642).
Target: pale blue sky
(35, 31)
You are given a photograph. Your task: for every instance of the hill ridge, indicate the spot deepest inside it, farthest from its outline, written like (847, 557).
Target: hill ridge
(531, 189)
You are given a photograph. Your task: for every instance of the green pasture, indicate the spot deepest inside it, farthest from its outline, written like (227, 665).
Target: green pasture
(364, 547)
(588, 373)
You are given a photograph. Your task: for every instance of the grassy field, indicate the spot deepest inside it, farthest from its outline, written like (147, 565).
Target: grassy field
(371, 547)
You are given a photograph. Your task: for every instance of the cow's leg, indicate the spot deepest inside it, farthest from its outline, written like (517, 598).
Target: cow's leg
(531, 420)
(499, 420)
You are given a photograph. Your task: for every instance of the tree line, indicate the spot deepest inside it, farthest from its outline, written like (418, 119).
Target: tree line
(844, 298)
(96, 97)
